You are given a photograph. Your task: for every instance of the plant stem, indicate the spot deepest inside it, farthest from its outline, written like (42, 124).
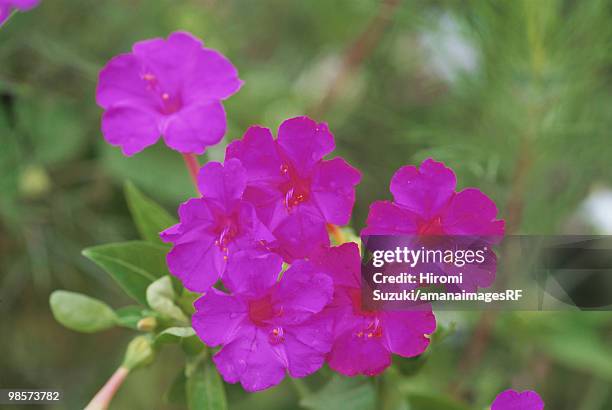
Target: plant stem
(336, 233)
(193, 166)
(357, 53)
(103, 398)
(300, 387)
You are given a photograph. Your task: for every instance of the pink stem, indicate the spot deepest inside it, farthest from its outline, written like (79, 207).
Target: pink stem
(193, 166)
(103, 398)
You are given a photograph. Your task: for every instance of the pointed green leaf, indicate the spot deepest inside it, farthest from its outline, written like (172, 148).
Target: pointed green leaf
(81, 313)
(204, 387)
(134, 265)
(150, 218)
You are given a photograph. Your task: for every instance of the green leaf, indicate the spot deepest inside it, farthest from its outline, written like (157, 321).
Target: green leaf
(134, 265)
(356, 393)
(161, 296)
(174, 334)
(176, 394)
(204, 386)
(185, 336)
(81, 313)
(149, 217)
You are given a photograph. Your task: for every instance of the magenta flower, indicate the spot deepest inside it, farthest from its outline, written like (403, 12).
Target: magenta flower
(7, 6)
(170, 87)
(214, 227)
(294, 190)
(266, 328)
(425, 203)
(513, 400)
(364, 341)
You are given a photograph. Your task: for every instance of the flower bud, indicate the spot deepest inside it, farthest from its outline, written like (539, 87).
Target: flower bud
(139, 353)
(147, 324)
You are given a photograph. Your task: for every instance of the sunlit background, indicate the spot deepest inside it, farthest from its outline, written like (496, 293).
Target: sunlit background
(515, 96)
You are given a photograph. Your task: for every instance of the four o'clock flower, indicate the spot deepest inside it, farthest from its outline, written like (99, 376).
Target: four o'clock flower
(214, 227)
(425, 204)
(170, 87)
(294, 190)
(266, 327)
(513, 400)
(364, 341)
(7, 6)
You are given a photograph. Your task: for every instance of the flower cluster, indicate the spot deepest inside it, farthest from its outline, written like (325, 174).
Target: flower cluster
(7, 6)
(270, 202)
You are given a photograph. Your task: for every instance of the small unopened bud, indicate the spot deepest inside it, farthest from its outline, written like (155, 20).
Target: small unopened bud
(147, 324)
(139, 353)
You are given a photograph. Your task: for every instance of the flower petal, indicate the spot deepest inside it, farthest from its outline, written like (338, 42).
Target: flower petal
(300, 235)
(472, 213)
(342, 263)
(302, 292)
(223, 182)
(405, 332)
(250, 359)
(252, 273)
(333, 188)
(258, 154)
(306, 345)
(424, 190)
(387, 218)
(217, 317)
(131, 128)
(198, 263)
(513, 400)
(304, 142)
(352, 355)
(195, 127)
(120, 82)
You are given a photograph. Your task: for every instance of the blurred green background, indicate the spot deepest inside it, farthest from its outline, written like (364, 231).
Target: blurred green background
(515, 96)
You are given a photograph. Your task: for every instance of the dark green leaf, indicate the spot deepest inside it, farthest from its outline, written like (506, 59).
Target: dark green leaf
(81, 313)
(134, 265)
(341, 393)
(149, 217)
(205, 389)
(176, 394)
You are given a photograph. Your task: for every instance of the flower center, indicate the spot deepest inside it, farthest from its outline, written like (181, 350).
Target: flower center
(276, 335)
(226, 230)
(169, 103)
(373, 329)
(262, 310)
(296, 188)
(431, 227)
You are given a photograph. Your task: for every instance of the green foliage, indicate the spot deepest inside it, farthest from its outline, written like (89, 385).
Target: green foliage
(204, 386)
(356, 393)
(133, 265)
(161, 297)
(81, 313)
(149, 217)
